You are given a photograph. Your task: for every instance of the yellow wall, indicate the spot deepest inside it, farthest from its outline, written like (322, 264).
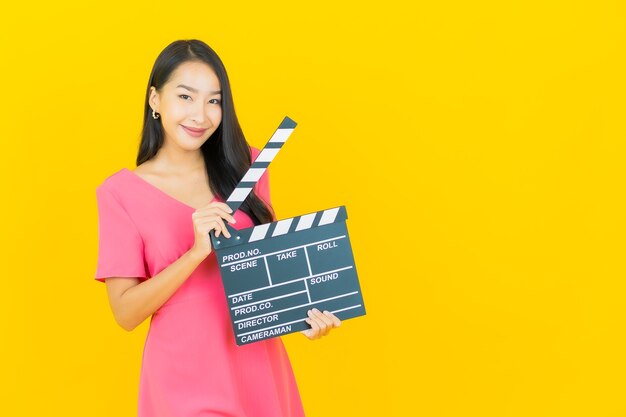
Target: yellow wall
(478, 147)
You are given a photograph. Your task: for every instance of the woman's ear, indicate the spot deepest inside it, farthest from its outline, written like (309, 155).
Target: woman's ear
(154, 99)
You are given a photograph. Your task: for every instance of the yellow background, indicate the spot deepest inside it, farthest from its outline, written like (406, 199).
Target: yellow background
(478, 147)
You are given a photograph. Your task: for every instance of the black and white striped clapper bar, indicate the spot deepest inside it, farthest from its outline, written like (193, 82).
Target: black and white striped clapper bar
(275, 272)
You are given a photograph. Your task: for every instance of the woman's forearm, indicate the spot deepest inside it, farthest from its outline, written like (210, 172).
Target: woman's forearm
(141, 301)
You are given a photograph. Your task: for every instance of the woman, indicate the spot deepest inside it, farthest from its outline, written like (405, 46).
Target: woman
(156, 258)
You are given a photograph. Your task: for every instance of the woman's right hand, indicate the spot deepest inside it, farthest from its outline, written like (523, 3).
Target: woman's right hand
(208, 218)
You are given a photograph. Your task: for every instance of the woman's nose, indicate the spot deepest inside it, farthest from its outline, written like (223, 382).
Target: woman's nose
(199, 113)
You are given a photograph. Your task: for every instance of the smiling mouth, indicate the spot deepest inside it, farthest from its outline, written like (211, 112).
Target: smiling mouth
(194, 130)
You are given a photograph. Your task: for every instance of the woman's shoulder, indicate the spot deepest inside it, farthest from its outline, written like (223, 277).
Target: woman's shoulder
(254, 152)
(114, 182)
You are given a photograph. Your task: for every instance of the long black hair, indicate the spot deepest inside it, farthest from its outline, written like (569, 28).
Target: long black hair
(226, 153)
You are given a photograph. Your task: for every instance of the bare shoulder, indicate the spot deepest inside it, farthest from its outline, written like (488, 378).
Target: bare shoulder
(145, 170)
(153, 174)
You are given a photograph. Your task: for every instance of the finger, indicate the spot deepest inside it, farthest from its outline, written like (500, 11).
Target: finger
(222, 211)
(334, 318)
(324, 327)
(327, 320)
(314, 330)
(223, 229)
(214, 225)
(224, 206)
(216, 222)
(308, 332)
(219, 211)
(315, 327)
(203, 227)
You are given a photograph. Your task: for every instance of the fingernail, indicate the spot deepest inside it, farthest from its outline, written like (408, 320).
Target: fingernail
(316, 310)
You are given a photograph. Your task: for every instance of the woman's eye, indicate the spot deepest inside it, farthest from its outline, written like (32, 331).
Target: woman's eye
(216, 99)
(183, 95)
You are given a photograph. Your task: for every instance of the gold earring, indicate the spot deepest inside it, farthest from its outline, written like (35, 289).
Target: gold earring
(155, 115)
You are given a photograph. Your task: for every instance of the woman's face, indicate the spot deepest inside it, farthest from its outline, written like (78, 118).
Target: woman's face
(190, 105)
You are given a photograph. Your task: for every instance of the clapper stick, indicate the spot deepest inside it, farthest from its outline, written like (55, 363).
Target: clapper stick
(256, 170)
(260, 164)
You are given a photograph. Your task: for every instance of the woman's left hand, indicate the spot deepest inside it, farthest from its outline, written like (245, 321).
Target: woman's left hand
(321, 323)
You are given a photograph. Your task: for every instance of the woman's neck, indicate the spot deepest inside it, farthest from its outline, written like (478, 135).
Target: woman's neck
(179, 162)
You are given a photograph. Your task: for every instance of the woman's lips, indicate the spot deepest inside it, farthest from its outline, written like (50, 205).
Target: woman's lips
(196, 133)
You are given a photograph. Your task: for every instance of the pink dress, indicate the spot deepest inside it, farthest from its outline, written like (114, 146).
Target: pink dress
(191, 365)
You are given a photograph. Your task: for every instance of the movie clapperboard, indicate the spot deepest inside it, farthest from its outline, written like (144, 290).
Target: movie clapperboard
(275, 272)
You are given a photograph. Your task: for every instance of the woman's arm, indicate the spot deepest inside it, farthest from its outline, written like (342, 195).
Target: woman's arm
(132, 302)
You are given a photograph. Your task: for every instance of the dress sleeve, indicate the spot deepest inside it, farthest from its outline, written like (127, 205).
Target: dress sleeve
(120, 246)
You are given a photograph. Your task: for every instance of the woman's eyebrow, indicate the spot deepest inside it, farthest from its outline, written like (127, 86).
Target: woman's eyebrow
(193, 90)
